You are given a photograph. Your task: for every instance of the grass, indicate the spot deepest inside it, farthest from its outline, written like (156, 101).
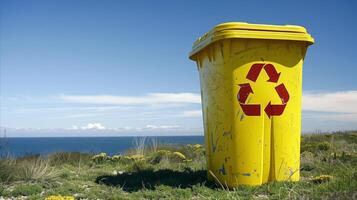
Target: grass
(154, 171)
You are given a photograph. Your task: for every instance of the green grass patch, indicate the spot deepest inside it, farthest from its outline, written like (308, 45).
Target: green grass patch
(153, 171)
(26, 189)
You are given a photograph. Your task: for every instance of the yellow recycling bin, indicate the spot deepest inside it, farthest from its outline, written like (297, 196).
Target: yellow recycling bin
(251, 86)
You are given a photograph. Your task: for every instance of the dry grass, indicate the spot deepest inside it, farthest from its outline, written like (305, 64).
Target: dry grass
(34, 169)
(7, 167)
(154, 145)
(140, 145)
(38, 169)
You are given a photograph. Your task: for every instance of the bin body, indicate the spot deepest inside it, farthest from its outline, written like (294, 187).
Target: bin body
(251, 89)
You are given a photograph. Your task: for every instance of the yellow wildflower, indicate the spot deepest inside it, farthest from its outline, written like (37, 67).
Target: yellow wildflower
(322, 179)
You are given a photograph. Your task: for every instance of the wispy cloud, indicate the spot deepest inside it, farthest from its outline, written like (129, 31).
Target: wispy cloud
(342, 102)
(338, 106)
(347, 117)
(73, 108)
(192, 113)
(156, 111)
(151, 98)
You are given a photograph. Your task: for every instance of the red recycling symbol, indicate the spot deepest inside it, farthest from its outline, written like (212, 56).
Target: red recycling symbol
(245, 90)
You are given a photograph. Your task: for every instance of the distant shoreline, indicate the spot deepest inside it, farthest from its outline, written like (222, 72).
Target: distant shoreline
(121, 136)
(20, 146)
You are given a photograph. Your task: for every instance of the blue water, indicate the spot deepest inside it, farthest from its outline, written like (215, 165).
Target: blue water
(110, 145)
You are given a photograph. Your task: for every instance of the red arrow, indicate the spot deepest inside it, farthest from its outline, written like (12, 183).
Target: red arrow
(251, 109)
(283, 93)
(272, 73)
(274, 110)
(254, 71)
(244, 92)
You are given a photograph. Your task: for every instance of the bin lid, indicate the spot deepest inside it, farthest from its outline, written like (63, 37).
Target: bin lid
(251, 31)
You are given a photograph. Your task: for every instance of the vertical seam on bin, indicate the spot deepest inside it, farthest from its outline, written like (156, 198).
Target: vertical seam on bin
(262, 151)
(272, 152)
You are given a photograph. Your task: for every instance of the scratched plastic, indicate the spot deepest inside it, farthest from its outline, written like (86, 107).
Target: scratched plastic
(251, 89)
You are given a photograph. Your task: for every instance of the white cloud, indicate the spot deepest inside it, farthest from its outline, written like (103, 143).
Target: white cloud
(93, 126)
(192, 113)
(338, 106)
(342, 102)
(151, 98)
(342, 117)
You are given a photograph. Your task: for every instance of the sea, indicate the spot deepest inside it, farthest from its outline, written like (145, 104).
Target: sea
(18, 147)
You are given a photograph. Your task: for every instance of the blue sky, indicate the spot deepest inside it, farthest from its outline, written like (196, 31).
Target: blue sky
(123, 65)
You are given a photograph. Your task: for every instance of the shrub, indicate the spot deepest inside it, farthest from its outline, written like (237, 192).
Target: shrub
(308, 148)
(136, 157)
(138, 166)
(323, 146)
(197, 146)
(37, 169)
(177, 156)
(99, 158)
(195, 151)
(157, 156)
(313, 147)
(116, 158)
(161, 155)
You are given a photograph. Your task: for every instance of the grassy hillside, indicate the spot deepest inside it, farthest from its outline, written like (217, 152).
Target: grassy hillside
(151, 171)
